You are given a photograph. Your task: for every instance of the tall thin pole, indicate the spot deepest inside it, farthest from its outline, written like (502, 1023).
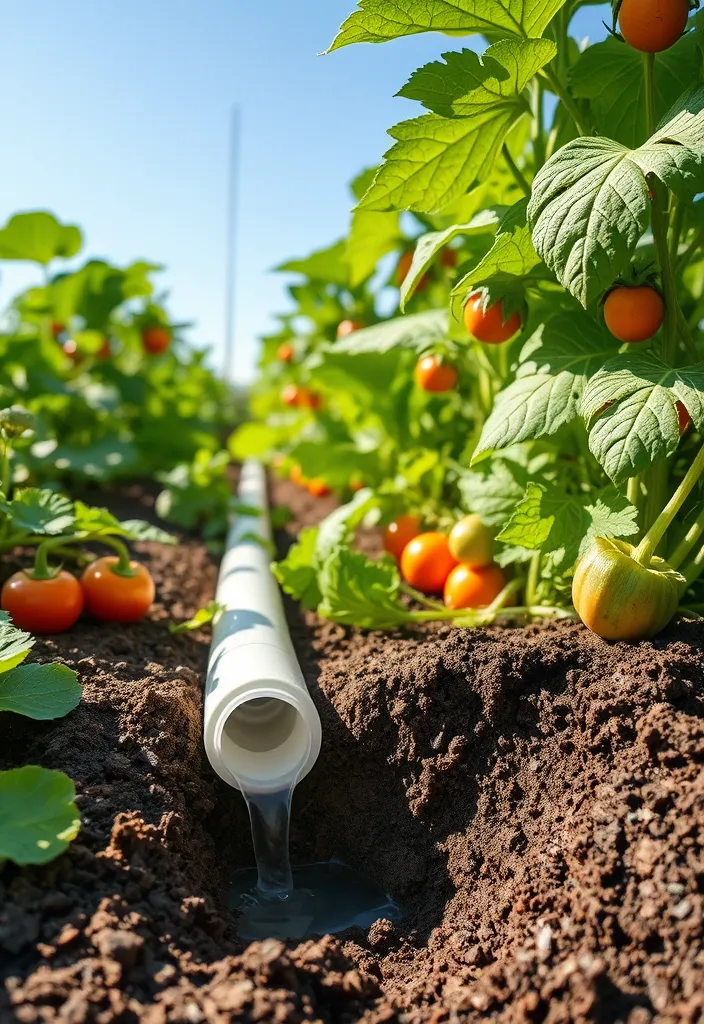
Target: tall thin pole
(232, 190)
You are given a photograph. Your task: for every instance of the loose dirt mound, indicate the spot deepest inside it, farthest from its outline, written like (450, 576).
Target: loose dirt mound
(534, 798)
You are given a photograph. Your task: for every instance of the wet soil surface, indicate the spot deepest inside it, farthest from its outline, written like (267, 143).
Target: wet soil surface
(533, 797)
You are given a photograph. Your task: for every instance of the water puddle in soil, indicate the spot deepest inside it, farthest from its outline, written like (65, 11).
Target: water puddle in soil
(281, 902)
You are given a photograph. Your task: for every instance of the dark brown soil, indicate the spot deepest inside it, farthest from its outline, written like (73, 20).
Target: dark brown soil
(533, 797)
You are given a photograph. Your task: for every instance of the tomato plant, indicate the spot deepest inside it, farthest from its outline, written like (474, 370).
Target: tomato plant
(544, 218)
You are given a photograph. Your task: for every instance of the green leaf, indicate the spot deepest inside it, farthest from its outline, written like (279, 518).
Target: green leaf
(493, 489)
(39, 511)
(372, 235)
(203, 617)
(255, 440)
(417, 332)
(38, 816)
(336, 529)
(610, 76)
(327, 265)
(137, 529)
(511, 254)
(437, 158)
(238, 508)
(97, 289)
(554, 367)
(95, 520)
(15, 644)
(358, 592)
(38, 237)
(562, 526)
(631, 405)
(101, 460)
(430, 244)
(377, 21)
(298, 572)
(41, 692)
(279, 516)
(590, 202)
(250, 537)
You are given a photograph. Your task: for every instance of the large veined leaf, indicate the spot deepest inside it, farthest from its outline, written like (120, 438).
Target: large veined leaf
(493, 489)
(377, 21)
(554, 367)
(631, 406)
(562, 526)
(590, 202)
(359, 592)
(512, 253)
(38, 815)
(610, 76)
(42, 692)
(430, 244)
(439, 157)
(417, 332)
(39, 237)
(15, 644)
(39, 511)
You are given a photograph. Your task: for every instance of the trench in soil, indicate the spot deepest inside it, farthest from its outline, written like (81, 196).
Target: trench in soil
(534, 798)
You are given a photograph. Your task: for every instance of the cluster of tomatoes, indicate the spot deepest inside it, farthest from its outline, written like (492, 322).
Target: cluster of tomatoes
(54, 604)
(155, 341)
(458, 565)
(315, 487)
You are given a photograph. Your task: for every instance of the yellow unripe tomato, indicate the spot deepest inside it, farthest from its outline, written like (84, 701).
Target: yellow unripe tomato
(620, 599)
(471, 542)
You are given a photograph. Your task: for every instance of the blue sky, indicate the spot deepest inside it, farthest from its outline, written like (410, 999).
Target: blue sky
(116, 118)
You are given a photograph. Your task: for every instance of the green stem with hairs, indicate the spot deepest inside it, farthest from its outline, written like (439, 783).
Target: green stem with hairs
(688, 541)
(646, 549)
(515, 170)
(561, 91)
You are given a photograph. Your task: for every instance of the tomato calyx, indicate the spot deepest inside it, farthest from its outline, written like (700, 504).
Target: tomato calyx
(124, 566)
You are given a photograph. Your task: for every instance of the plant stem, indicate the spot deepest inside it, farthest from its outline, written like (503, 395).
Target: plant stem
(41, 569)
(568, 103)
(676, 230)
(688, 541)
(686, 256)
(650, 100)
(533, 578)
(6, 469)
(647, 546)
(694, 570)
(123, 567)
(515, 170)
(538, 132)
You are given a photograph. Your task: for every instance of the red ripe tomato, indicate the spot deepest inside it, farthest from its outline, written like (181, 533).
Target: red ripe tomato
(685, 420)
(318, 488)
(431, 374)
(308, 399)
(448, 258)
(43, 606)
(399, 533)
(634, 313)
(473, 586)
(404, 265)
(489, 326)
(347, 327)
(427, 561)
(156, 339)
(652, 26)
(112, 597)
(284, 353)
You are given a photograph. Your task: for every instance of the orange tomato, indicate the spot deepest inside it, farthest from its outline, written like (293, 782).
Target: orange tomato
(156, 339)
(685, 420)
(427, 561)
(489, 325)
(399, 533)
(634, 314)
(291, 395)
(431, 374)
(404, 265)
(346, 327)
(356, 485)
(652, 26)
(296, 476)
(318, 488)
(473, 586)
(111, 597)
(284, 353)
(43, 606)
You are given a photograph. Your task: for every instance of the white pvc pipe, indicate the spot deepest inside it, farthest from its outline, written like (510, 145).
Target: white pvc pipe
(261, 729)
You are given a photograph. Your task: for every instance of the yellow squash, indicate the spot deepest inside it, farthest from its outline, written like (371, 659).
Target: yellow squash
(620, 599)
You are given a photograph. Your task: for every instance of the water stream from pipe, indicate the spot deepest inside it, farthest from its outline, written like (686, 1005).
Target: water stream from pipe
(277, 901)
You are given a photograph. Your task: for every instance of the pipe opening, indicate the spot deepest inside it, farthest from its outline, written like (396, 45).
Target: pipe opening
(265, 741)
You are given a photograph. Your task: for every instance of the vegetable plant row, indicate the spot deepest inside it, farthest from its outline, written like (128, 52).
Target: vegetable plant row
(97, 385)
(501, 366)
